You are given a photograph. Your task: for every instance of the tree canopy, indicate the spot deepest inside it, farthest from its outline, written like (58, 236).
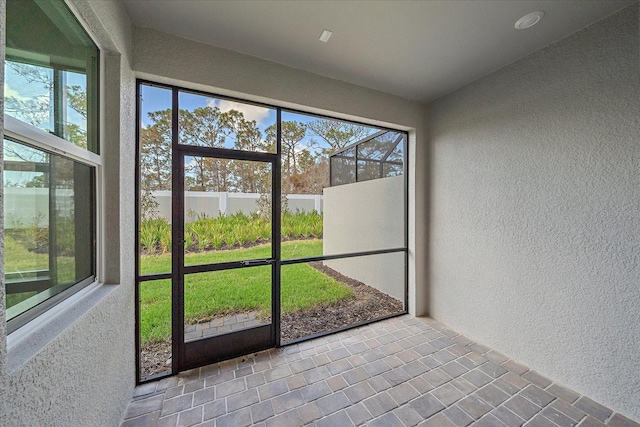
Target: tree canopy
(305, 150)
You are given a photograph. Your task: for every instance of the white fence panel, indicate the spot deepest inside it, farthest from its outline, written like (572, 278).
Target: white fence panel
(214, 204)
(27, 206)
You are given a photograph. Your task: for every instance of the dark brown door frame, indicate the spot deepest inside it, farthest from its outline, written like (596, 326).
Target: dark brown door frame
(188, 355)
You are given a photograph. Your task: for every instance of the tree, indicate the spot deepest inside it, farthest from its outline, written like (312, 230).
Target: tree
(312, 175)
(292, 133)
(37, 110)
(338, 134)
(34, 111)
(205, 126)
(377, 148)
(77, 99)
(155, 160)
(248, 176)
(155, 152)
(209, 127)
(37, 181)
(312, 179)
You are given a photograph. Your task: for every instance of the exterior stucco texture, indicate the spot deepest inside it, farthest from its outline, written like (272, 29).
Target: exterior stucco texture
(534, 230)
(82, 378)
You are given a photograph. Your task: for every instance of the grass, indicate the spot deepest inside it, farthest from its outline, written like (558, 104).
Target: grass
(218, 293)
(18, 258)
(152, 264)
(215, 293)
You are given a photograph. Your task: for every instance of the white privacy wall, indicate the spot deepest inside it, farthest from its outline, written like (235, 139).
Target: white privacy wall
(367, 216)
(535, 204)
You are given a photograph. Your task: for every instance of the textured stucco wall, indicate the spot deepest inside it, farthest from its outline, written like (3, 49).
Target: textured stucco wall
(112, 27)
(165, 58)
(176, 60)
(84, 374)
(84, 377)
(3, 307)
(535, 224)
(367, 216)
(364, 216)
(384, 272)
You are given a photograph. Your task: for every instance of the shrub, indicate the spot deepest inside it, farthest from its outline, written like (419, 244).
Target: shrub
(225, 232)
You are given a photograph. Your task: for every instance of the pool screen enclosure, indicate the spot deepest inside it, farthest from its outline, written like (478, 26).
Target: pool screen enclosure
(259, 227)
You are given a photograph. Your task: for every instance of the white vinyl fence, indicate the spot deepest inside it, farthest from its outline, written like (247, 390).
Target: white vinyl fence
(30, 206)
(214, 204)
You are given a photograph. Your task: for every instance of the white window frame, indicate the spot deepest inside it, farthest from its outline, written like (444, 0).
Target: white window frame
(22, 132)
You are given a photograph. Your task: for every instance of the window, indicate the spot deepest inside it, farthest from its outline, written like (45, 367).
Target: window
(50, 157)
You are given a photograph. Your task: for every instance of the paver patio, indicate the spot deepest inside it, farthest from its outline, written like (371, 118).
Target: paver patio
(222, 325)
(400, 372)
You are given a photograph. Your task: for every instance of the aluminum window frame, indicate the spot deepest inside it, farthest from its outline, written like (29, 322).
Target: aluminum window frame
(27, 135)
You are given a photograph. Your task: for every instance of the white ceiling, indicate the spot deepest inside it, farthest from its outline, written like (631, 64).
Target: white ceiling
(419, 50)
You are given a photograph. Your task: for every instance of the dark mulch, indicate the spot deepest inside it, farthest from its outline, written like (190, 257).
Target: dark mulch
(368, 303)
(155, 358)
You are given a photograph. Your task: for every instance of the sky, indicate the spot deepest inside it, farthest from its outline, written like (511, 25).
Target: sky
(18, 87)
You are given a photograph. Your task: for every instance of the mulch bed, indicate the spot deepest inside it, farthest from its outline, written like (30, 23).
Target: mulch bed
(368, 304)
(155, 358)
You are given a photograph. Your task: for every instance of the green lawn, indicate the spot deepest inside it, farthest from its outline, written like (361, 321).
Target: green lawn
(213, 294)
(152, 264)
(20, 259)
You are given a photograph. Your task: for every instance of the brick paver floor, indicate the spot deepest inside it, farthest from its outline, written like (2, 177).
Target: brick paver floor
(222, 325)
(400, 372)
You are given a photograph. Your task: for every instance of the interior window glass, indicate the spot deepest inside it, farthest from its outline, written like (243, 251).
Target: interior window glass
(48, 225)
(51, 71)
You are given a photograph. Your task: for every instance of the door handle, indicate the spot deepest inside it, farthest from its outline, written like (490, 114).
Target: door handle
(254, 262)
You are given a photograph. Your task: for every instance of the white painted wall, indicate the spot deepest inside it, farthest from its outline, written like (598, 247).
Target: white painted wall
(367, 216)
(364, 216)
(535, 211)
(30, 206)
(76, 365)
(165, 58)
(384, 272)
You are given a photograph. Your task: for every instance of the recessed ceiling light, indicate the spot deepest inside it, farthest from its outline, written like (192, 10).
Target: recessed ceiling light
(324, 37)
(529, 20)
